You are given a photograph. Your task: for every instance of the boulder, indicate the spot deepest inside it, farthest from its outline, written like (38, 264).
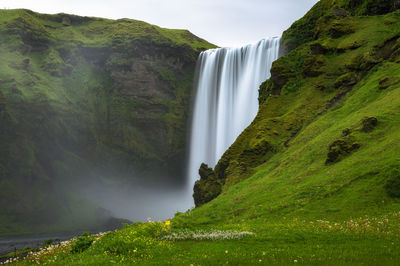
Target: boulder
(368, 124)
(341, 148)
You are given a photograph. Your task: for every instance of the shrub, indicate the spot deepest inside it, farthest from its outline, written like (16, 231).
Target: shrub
(393, 182)
(82, 243)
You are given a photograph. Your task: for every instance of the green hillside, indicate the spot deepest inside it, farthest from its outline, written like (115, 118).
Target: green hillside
(314, 180)
(85, 100)
(326, 139)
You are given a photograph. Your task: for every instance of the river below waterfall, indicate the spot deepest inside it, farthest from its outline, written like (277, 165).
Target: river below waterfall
(12, 243)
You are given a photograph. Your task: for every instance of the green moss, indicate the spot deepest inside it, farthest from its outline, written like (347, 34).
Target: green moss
(314, 65)
(312, 25)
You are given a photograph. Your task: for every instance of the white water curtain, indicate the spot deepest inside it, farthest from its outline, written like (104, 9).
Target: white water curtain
(226, 100)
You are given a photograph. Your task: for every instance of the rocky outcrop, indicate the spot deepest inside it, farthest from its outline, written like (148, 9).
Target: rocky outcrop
(207, 188)
(340, 148)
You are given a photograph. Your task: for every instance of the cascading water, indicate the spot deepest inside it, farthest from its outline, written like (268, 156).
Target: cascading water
(227, 98)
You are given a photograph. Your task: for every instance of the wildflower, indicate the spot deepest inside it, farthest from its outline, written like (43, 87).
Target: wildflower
(226, 251)
(295, 261)
(168, 223)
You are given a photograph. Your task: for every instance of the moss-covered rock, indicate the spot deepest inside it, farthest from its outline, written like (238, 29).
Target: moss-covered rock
(347, 80)
(362, 62)
(339, 28)
(207, 188)
(313, 65)
(279, 76)
(369, 124)
(341, 148)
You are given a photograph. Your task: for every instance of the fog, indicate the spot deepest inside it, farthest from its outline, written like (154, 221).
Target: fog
(139, 201)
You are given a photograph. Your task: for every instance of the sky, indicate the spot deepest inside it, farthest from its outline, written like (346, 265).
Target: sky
(226, 23)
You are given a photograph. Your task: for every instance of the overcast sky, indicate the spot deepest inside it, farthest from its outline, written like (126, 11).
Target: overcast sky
(222, 22)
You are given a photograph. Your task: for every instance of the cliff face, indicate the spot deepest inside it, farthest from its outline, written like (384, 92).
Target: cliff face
(342, 59)
(87, 97)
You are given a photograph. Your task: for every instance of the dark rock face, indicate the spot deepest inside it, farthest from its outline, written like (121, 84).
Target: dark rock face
(369, 124)
(207, 188)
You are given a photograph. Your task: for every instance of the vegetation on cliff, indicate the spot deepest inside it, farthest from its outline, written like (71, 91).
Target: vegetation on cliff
(78, 94)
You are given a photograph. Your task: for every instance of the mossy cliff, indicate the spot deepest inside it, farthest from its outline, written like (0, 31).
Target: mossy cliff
(326, 138)
(80, 93)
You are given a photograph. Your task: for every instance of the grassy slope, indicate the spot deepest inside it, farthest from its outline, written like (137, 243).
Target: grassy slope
(63, 110)
(302, 210)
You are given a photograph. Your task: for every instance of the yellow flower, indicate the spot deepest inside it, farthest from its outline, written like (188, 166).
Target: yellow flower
(168, 223)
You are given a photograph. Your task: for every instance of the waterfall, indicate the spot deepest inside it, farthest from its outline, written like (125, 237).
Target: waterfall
(227, 83)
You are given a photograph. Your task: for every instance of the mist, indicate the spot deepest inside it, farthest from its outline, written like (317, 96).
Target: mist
(138, 200)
